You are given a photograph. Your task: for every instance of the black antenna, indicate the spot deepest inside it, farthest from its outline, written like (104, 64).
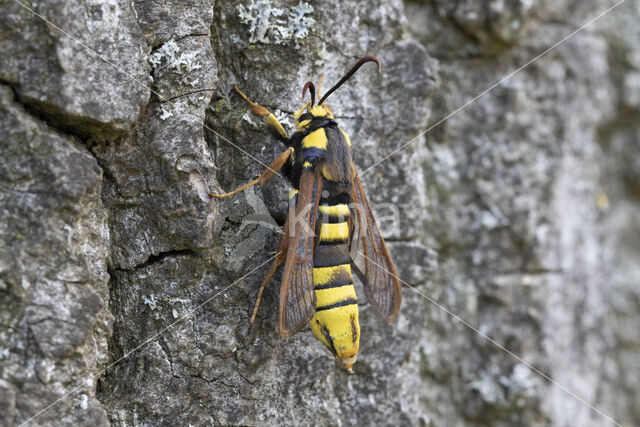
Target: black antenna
(312, 91)
(347, 76)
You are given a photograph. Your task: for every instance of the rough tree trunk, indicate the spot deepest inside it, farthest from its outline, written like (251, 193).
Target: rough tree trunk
(519, 213)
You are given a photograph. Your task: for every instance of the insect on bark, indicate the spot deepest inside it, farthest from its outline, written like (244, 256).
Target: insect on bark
(317, 286)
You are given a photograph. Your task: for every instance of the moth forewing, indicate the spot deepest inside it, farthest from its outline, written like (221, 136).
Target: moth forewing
(382, 284)
(297, 296)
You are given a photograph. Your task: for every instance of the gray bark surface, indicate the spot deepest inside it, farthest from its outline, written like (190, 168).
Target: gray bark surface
(126, 292)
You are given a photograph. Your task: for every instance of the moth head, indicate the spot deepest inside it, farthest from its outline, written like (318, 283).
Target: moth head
(310, 111)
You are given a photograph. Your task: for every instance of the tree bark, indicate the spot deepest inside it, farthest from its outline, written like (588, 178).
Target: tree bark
(511, 211)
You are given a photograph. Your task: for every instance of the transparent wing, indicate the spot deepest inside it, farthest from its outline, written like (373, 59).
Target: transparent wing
(297, 297)
(381, 283)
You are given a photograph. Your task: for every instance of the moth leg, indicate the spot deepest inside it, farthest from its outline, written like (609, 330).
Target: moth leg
(280, 258)
(260, 111)
(320, 85)
(320, 95)
(265, 177)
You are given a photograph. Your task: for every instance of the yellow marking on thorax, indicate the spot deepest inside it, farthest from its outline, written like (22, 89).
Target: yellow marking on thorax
(292, 193)
(324, 275)
(325, 297)
(307, 164)
(346, 137)
(331, 232)
(316, 139)
(335, 211)
(326, 174)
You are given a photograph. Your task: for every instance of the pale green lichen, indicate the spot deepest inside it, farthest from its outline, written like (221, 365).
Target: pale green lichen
(300, 23)
(164, 113)
(271, 25)
(151, 301)
(284, 118)
(167, 52)
(168, 56)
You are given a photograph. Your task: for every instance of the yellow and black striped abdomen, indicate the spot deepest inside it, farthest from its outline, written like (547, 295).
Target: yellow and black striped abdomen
(336, 320)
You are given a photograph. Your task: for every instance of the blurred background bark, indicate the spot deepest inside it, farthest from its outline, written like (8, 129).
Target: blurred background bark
(519, 213)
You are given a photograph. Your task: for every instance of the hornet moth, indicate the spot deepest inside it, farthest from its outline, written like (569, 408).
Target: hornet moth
(317, 286)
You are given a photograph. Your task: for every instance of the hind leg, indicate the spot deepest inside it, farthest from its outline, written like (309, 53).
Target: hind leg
(281, 256)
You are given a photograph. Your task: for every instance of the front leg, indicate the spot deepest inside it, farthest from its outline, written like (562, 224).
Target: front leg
(266, 176)
(260, 111)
